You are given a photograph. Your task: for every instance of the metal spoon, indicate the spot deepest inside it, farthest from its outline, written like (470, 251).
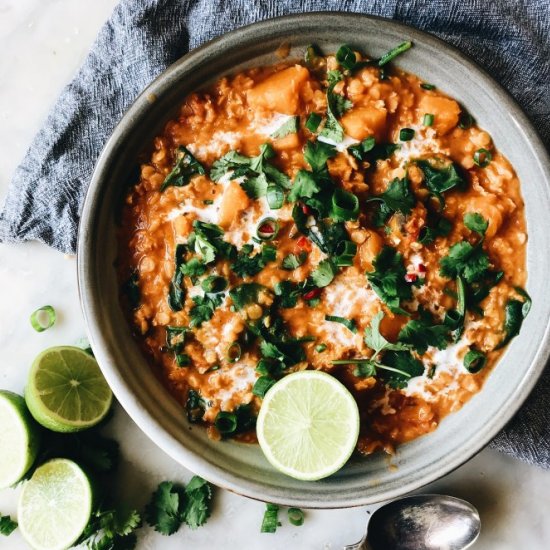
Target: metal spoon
(422, 522)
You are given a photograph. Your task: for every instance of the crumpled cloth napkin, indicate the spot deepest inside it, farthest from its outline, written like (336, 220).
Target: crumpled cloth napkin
(509, 38)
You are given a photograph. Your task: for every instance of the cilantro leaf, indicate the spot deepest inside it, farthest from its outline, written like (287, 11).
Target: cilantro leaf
(316, 154)
(405, 367)
(204, 308)
(246, 265)
(293, 261)
(231, 161)
(193, 269)
(397, 198)
(246, 293)
(439, 180)
(375, 340)
(289, 127)
(165, 511)
(370, 151)
(7, 525)
(185, 168)
(437, 226)
(324, 273)
(476, 222)
(337, 105)
(198, 502)
(388, 279)
(466, 261)
(304, 185)
(112, 529)
(420, 334)
(288, 293)
(207, 241)
(255, 187)
(195, 406)
(176, 291)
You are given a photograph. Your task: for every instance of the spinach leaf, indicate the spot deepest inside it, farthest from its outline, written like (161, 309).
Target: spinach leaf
(440, 180)
(515, 313)
(176, 291)
(466, 261)
(130, 289)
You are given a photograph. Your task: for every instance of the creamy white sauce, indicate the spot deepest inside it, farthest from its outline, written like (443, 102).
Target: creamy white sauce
(242, 376)
(423, 142)
(270, 125)
(216, 145)
(343, 145)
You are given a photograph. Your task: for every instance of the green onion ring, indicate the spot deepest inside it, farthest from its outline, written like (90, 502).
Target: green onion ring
(40, 325)
(345, 205)
(226, 422)
(296, 516)
(474, 361)
(482, 158)
(234, 352)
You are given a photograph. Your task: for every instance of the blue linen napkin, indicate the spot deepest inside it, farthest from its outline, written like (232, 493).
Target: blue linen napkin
(509, 38)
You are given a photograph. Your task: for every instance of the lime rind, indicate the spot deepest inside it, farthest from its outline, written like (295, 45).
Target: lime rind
(66, 391)
(308, 425)
(55, 505)
(19, 438)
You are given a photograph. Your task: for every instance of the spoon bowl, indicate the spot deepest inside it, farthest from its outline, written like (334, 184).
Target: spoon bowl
(422, 522)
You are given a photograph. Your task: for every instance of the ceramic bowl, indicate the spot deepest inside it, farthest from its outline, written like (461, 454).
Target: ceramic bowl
(242, 468)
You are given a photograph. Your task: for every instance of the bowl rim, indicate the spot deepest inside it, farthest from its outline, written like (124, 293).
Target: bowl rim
(150, 425)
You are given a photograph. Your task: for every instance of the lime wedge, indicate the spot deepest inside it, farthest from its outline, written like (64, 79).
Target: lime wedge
(55, 505)
(308, 425)
(19, 438)
(66, 391)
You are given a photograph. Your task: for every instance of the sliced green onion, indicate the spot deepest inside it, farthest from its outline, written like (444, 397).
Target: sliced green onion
(466, 121)
(483, 158)
(183, 360)
(213, 368)
(296, 516)
(43, 318)
(392, 54)
(267, 229)
(226, 422)
(346, 57)
(234, 352)
(313, 121)
(175, 338)
(344, 253)
(474, 361)
(214, 284)
(320, 348)
(345, 205)
(453, 318)
(208, 201)
(428, 119)
(427, 86)
(348, 323)
(262, 385)
(275, 196)
(406, 134)
(270, 520)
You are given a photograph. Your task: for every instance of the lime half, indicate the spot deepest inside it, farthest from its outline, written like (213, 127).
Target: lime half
(66, 391)
(55, 505)
(308, 425)
(19, 438)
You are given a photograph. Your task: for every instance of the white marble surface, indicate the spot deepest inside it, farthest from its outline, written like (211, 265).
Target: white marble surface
(42, 43)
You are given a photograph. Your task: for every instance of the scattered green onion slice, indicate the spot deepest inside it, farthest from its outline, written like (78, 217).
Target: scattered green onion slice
(226, 422)
(406, 134)
(270, 520)
(348, 323)
(474, 361)
(392, 54)
(345, 205)
(214, 284)
(427, 86)
(262, 385)
(344, 253)
(482, 158)
(296, 516)
(313, 121)
(428, 119)
(208, 201)
(183, 360)
(267, 229)
(234, 352)
(275, 196)
(43, 318)
(466, 121)
(320, 348)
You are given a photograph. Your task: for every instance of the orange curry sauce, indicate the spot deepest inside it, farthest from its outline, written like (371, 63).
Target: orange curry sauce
(240, 113)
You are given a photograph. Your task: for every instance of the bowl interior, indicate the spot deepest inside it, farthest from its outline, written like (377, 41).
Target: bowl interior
(242, 468)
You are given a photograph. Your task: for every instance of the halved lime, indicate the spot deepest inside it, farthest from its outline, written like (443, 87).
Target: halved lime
(55, 505)
(19, 438)
(308, 425)
(66, 391)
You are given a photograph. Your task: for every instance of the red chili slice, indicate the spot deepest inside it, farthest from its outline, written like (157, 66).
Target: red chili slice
(421, 268)
(312, 294)
(304, 244)
(266, 228)
(306, 210)
(411, 277)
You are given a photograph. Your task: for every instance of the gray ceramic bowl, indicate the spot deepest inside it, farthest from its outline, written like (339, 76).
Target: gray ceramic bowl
(242, 468)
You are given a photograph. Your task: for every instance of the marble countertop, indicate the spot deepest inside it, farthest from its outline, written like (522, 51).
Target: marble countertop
(42, 43)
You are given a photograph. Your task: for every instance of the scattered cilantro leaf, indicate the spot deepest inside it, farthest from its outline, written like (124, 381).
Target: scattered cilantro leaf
(377, 342)
(176, 290)
(207, 241)
(293, 261)
(112, 529)
(232, 161)
(204, 308)
(420, 333)
(370, 151)
(305, 185)
(440, 180)
(436, 226)
(316, 154)
(337, 105)
(476, 222)
(289, 127)
(198, 502)
(245, 294)
(324, 273)
(185, 167)
(248, 265)
(287, 293)
(7, 525)
(165, 510)
(405, 367)
(398, 197)
(466, 261)
(193, 269)
(388, 279)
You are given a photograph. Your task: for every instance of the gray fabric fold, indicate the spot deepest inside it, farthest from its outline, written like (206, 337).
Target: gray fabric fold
(509, 38)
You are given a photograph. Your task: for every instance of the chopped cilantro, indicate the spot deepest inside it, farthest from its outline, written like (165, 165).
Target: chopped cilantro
(388, 279)
(440, 180)
(404, 366)
(293, 261)
(176, 292)
(207, 241)
(421, 333)
(195, 406)
(436, 226)
(467, 261)
(312, 122)
(346, 57)
(476, 222)
(316, 154)
(305, 185)
(397, 198)
(247, 265)
(7, 525)
(245, 294)
(288, 293)
(377, 342)
(262, 385)
(337, 105)
(185, 168)
(204, 307)
(193, 269)
(270, 520)
(324, 273)
(289, 127)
